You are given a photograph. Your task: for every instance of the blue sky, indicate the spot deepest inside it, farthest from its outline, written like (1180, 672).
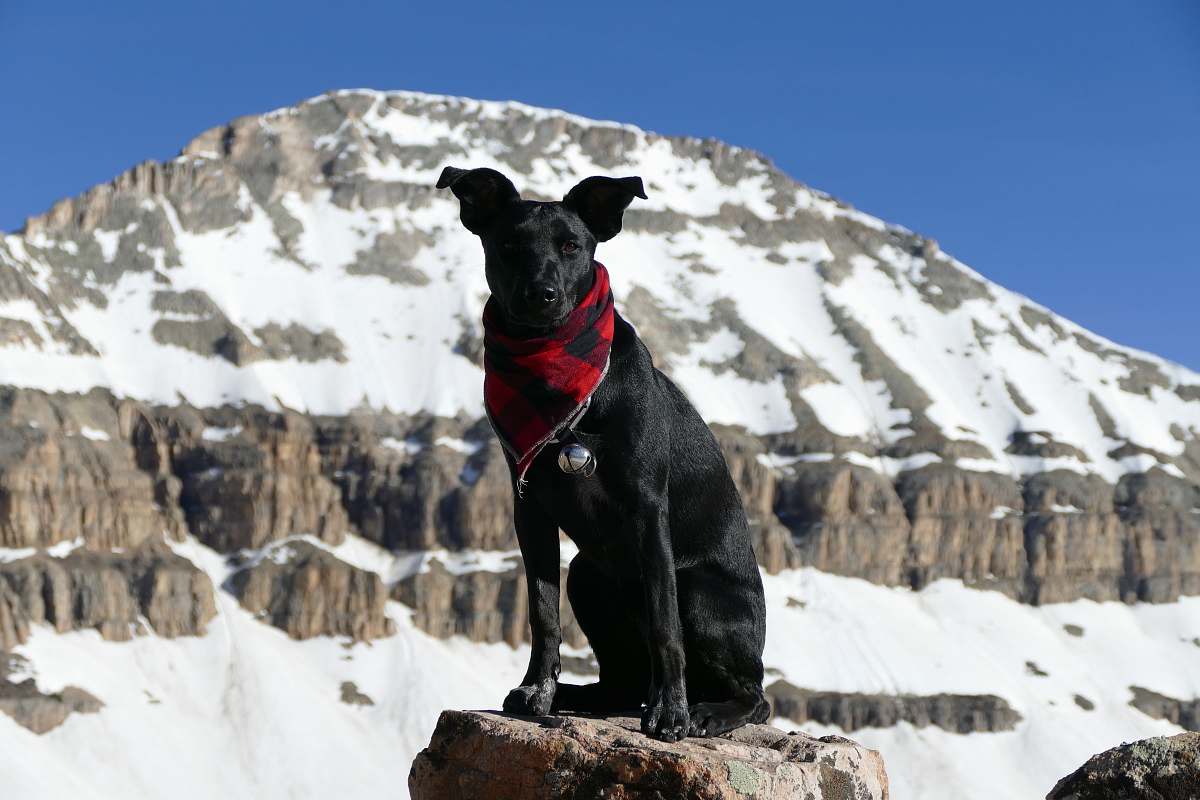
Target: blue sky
(1054, 146)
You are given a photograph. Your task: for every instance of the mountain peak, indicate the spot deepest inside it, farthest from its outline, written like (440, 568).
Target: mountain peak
(281, 253)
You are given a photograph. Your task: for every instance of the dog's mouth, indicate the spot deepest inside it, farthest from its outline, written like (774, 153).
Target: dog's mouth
(536, 317)
(539, 322)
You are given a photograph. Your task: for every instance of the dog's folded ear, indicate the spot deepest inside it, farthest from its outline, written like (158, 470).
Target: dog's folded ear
(481, 194)
(600, 201)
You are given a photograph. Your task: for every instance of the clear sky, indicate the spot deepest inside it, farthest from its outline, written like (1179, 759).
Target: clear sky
(1053, 145)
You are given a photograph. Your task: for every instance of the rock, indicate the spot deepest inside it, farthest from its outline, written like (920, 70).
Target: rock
(482, 605)
(306, 591)
(1184, 713)
(262, 485)
(1162, 768)
(37, 711)
(956, 532)
(68, 471)
(845, 519)
(475, 754)
(351, 696)
(957, 713)
(112, 592)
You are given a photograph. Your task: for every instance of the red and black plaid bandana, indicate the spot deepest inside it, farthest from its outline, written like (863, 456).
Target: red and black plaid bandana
(534, 388)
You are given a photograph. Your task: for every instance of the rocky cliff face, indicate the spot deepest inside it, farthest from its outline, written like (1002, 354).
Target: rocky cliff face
(119, 473)
(117, 594)
(852, 711)
(308, 592)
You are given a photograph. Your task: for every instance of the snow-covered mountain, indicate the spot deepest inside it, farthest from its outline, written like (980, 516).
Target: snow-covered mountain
(256, 367)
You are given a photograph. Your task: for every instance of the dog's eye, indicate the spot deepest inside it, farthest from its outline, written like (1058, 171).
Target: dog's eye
(569, 247)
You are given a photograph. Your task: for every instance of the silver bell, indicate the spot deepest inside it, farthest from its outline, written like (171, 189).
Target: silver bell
(575, 459)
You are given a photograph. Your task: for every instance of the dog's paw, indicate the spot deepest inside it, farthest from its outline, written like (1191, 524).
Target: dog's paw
(706, 720)
(666, 716)
(533, 700)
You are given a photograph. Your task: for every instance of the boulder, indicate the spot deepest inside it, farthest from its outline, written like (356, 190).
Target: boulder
(504, 757)
(1162, 768)
(42, 712)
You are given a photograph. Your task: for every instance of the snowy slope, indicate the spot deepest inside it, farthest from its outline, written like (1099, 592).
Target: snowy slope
(246, 712)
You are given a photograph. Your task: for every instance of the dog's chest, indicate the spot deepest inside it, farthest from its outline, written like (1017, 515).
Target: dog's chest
(584, 508)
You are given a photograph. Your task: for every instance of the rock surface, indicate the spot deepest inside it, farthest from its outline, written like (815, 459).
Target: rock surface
(1184, 713)
(306, 591)
(1163, 768)
(482, 605)
(42, 712)
(476, 754)
(112, 592)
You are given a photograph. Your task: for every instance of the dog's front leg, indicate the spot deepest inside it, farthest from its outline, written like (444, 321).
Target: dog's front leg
(538, 537)
(666, 714)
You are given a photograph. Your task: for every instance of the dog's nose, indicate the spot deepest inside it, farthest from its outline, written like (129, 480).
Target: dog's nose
(541, 294)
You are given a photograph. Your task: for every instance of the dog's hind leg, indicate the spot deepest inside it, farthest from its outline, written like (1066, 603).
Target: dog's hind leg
(716, 718)
(724, 632)
(608, 616)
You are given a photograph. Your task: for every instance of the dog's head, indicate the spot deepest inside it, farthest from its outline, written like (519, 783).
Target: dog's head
(538, 256)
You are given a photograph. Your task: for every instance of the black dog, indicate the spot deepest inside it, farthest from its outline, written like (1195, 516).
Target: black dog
(665, 585)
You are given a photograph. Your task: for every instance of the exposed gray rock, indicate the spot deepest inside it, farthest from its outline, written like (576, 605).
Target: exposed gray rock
(208, 332)
(1035, 318)
(945, 287)
(352, 696)
(109, 591)
(482, 605)
(1041, 444)
(845, 519)
(43, 712)
(957, 713)
(390, 257)
(1162, 768)
(69, 472)
(1184, 713)
(298, 342)
(306, 592)
(1018, 399)
(956, 531)
(266, 485)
